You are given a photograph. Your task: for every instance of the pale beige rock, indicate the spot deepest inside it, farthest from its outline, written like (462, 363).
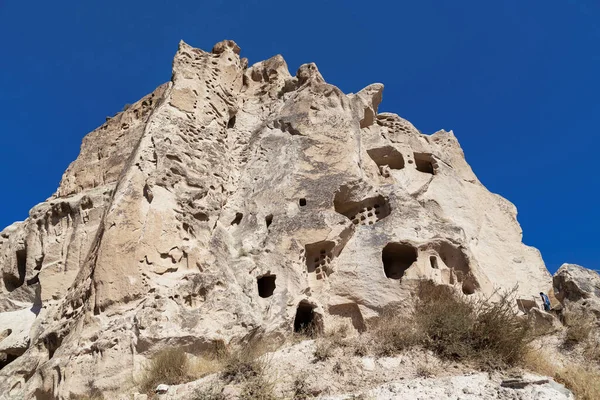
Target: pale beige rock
(231, 200)
(578, 289)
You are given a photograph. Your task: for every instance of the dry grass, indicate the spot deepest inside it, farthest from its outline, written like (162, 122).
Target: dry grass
(584, 382)
(454, 327)
(424, 371)
(324, 349)
(300, 389)
(591, 351)
(211, 393)
(243, 363)
(204, 365)
(390, 334)
(579, 327)
(169, 366)
(258, 388)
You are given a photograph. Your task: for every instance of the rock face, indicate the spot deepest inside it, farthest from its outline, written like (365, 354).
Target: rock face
(237, 201)
(578, 289)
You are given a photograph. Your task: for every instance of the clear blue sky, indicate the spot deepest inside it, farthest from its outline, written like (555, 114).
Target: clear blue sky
(517, 81)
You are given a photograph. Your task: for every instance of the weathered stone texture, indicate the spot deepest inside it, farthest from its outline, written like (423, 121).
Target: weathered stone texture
(216, 206)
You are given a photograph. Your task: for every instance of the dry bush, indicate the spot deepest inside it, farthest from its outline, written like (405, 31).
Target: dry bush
(338, 335)
(583, 381)
(99, 396)
(323, 349)
(211, 393)
(537, 360)
(591, 351)
(300, 389)
(169, 366)
(361, 347)
(500, 336)
(204, 365)
(258, 388)
(454, 327)
(391, 334)
(579, 327)
(243, 363)
(424, 371)
(445, 319)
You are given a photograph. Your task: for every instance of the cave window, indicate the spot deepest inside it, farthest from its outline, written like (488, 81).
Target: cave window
(306, 321)
(469, 286)
(237, 219)
(302, 202)
(397, 258)
(433, 261)
(424, 163)
(269, 220)
(12, 282)
(231, 122)
(266, 285)
(387, 156)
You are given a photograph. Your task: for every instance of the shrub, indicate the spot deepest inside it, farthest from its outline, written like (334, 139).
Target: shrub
(169, 366)
(323, 349)
(591, 352)
(455, 327)
(584, 382)
(499, 335)
(391, 332)
(211, 393)
(243, 363)
(258, 388)
(445, 319)
(300, 390)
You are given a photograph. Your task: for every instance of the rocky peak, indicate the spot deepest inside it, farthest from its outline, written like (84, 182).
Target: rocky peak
(236, 201)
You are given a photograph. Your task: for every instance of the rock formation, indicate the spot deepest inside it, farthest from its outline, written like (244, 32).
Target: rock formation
(236, 201)
(578, 289)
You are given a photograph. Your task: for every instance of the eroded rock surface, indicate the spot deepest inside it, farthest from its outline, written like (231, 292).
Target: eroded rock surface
(237, 201)
(578, 289)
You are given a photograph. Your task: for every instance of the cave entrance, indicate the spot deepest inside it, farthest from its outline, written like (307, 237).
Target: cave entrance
(387, 156)
(425, 163)
(266, 285)
(307, 322)
(397, 258)
(12, 282)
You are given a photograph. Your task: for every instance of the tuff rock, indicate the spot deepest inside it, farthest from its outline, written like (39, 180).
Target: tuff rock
(578, 289)
(237, 201)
